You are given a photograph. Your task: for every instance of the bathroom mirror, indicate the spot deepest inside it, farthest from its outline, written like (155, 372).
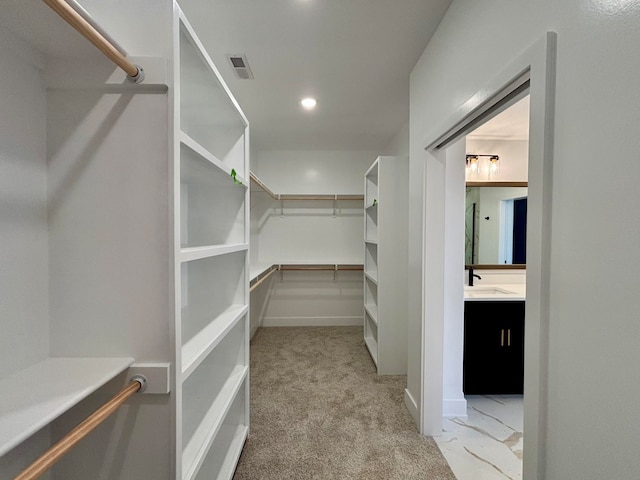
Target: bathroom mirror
(496, 224)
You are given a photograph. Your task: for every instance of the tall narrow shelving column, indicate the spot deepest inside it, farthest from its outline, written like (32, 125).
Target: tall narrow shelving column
(385, 264)
(211, 267)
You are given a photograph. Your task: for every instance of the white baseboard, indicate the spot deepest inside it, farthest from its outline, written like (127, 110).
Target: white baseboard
(312, 322)
(454, 407)
(412, 406)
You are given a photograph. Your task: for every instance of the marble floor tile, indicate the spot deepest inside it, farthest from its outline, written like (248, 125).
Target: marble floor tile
(487, 444)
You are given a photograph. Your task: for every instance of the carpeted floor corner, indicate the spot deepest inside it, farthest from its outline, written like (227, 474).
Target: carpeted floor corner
(320, 411)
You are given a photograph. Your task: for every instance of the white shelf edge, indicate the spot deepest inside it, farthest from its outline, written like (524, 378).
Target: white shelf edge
(35, 396)
(372, 242)
(256, 271)
(373, 166)
(201, 345)
(193, 145)
(371, 205)
(233, 455)
(374, 280)
(205, 55)
(372, 346)
(373, 314)
(196, 253)
(219, 408)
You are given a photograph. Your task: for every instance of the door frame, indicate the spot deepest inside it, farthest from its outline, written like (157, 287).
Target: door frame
(536, 66)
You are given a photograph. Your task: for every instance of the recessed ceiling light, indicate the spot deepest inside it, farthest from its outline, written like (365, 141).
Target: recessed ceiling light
(308, 103)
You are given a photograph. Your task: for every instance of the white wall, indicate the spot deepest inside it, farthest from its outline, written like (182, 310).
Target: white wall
(308, 232)
(399, 144)
(590, 397)
(24, 269)
(313, 171)
(315, 299)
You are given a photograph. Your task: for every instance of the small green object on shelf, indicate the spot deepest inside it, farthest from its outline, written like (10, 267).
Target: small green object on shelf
(375, 202)
(233, 175)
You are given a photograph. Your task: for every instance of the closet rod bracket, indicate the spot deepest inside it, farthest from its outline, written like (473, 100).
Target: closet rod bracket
(138, 77)
(142, 380)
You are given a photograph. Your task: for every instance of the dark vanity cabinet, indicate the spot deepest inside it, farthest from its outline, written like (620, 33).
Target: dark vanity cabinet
(493, 347)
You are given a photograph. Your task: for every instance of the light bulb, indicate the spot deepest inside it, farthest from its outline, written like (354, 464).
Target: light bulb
(473, 164)
(308, 103)
(494, 168)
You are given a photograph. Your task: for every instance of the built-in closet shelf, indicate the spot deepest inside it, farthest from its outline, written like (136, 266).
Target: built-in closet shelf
(35, 396)
(197, 253)
(372, 346)
(385, 258)
(189, 142)
(372, 310)
(230, 461)
(256, 271)
(201, 345)
(373, 279)
(195, 451)
(303, 196)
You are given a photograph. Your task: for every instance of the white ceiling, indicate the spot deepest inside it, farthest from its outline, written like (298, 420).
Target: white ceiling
(512, 124)
(354, 56)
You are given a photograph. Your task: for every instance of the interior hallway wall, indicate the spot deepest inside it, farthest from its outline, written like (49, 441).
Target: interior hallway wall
(590, 397)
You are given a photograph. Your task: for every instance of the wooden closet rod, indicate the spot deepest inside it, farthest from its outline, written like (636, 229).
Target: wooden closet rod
(293, 196)
(57, 451)
(73, 18)
(334, 267)
(263, 278)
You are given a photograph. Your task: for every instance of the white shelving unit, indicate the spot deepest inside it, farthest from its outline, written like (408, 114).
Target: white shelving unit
(212, 272)
(385, 264)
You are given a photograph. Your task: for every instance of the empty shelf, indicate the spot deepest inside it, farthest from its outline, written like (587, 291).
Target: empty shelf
(32, 398)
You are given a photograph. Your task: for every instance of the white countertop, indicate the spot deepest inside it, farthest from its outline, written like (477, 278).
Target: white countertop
(495, 292)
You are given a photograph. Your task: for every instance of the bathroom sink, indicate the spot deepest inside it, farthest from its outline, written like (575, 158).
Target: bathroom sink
(483, 291)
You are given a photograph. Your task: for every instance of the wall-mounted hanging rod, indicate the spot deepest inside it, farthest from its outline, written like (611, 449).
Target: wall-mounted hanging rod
(332, 266)
(295, 196)
(57, 451)
(262, 278)
(92, 32)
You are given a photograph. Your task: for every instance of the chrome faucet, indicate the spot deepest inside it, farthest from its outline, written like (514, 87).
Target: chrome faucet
(471, 275)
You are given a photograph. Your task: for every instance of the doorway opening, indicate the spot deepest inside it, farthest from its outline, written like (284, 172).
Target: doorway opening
(533, 72)
(486, 439)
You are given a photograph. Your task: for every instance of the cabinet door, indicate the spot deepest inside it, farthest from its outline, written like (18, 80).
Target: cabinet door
(493, 348)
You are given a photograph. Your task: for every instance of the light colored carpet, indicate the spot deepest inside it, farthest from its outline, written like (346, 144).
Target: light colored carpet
(320, 411)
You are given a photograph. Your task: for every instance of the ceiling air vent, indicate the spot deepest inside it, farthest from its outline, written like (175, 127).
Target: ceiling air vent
(240, 66)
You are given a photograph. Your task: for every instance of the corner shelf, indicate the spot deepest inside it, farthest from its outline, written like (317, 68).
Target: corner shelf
(35, 396)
